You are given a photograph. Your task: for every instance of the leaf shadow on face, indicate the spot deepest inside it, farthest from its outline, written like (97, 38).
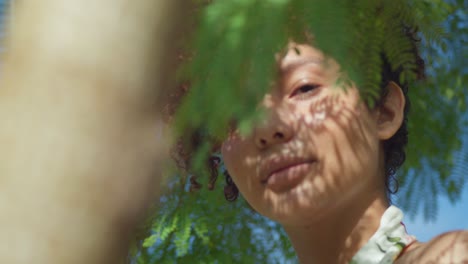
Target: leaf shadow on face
(346, 129)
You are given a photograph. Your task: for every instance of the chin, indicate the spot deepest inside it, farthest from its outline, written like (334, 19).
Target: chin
(297, 206)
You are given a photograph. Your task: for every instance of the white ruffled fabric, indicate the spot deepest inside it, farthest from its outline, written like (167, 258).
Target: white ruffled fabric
(387, 243)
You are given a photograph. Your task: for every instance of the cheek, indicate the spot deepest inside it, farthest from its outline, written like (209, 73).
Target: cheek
(343, 130)
(229, 152)
(315, 113)
(239, 160)
(350, 148)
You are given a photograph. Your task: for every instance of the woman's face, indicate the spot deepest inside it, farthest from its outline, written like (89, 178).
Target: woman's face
(316, 150)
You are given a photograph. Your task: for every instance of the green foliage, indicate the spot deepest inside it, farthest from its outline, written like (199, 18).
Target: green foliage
(233, 67)
(236, 42)
(437, 120)
(231, 52)
(202, 227)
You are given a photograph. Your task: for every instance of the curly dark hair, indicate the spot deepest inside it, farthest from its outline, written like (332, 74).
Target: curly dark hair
(394, 147)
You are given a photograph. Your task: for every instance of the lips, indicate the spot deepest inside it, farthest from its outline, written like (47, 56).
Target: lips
(283, 174)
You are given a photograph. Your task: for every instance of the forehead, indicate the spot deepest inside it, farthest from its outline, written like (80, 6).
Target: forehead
(298, 55)
(302, 59)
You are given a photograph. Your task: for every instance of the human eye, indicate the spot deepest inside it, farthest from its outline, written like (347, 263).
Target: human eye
(304, 91)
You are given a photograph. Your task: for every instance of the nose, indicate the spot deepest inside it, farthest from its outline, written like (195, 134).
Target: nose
(274, 130)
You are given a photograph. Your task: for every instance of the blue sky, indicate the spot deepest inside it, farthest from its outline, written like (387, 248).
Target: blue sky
(449, 217)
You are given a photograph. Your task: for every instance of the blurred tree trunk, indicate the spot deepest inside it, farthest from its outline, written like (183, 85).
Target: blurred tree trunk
(79, 126)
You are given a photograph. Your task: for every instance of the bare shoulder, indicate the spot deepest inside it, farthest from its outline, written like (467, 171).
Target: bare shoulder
(451, 247)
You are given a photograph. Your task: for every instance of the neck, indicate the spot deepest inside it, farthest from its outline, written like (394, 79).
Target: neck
(338, 236)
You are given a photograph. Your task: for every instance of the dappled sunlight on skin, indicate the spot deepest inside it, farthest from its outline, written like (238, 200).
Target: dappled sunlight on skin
(338, 141)
(315, 158)
(329, 122)
(450, 247)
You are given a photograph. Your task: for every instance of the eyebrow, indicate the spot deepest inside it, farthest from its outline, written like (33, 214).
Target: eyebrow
(300, 62)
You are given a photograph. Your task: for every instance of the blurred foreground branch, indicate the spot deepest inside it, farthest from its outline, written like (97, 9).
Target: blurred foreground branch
(79, 131)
